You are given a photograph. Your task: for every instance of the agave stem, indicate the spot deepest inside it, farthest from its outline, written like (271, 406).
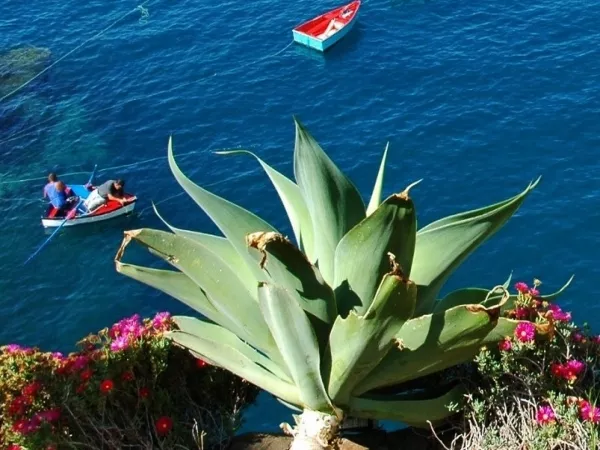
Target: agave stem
(314, 430)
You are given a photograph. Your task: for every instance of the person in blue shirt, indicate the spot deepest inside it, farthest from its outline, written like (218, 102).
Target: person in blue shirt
(61, 197)
(51, 180)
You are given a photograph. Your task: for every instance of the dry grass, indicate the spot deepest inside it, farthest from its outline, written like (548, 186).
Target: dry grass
(514, 428)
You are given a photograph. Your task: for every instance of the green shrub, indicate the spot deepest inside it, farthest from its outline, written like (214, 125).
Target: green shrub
(128, 386)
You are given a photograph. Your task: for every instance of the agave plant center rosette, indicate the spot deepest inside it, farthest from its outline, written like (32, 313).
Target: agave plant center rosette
(349, 309)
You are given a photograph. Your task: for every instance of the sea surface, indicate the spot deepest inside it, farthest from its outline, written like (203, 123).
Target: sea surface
(477, 98)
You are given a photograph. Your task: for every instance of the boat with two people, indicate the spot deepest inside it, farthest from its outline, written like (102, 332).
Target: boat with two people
(86, 203)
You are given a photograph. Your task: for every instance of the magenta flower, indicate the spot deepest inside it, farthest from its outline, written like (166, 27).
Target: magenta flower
(558, 314)
(505, 345)
(12, 348)
(534, 292)
(589, 413)
(522, 287)
(525, 332)
(522, 313)
(80, 362)
(57, 355)
(119, 344)
(545, 415)
(161, 320)
(50, 415)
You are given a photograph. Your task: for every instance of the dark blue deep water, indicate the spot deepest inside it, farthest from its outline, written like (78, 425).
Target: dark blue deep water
(476, 98)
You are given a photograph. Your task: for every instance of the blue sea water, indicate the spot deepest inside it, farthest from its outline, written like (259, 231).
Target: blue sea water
(476, 98)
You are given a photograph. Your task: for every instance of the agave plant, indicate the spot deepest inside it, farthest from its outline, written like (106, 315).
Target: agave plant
(335, 324)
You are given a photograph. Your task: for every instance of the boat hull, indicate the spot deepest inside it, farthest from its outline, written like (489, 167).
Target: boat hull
(92, 218)
(318, 42)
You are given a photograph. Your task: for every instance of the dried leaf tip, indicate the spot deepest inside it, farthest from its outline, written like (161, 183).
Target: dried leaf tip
(404, 194)
(396, 268)
(128, 235)
(260, 239)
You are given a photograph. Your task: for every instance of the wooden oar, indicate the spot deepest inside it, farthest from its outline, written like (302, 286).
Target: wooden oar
(70, 215)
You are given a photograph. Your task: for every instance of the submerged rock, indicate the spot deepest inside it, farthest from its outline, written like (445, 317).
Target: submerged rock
(19, 65)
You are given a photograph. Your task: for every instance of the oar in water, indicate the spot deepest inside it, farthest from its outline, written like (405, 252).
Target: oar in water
(70, 215)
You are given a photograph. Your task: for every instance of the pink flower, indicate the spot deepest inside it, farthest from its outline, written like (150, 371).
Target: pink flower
(50, 415)
(161, 320)
(58, 356)
(545, 415)
(119, 344)
(14, 447)
(12, 348)
(525, 332)
(589, 413)
(577, 337)
(522, 313)
(558, 314)
(557, 370)
(80, 362)
(522, 287)
(534, 292)
(505, 345)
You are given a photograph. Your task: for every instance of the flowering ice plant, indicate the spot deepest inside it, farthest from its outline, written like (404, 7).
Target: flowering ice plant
(122, 375)
(554, 369)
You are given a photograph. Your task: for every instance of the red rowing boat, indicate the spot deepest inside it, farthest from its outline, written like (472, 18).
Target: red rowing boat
(325, 30)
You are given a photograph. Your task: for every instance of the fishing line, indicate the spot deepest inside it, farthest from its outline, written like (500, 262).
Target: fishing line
(138, 163)
(97, 35)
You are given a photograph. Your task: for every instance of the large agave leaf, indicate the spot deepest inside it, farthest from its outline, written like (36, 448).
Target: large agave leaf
(234, 221)
(357, 344)
(443, 245)
(334, 203)
(510, 303)
(288, 267)
(297, 343)
(179, 286)
(412, 411)
(226, 292)
(376, 195)
(214, 332)
(437, 341)
(222, 247)
(487, 298)
(232, 357)
(361, 256)
(294, 205)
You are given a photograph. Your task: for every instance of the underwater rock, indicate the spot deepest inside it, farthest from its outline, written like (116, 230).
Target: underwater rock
(19, 65)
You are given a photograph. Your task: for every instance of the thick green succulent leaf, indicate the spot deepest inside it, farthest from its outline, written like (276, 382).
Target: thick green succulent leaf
(214, 332)
(222, 286)
(376, 195)
(357, 344)
(361, 256)
(434, 342)
(334, 203)
(288, 267)
(222, 247)
(297, 343)
(412, 411)
(234, 221)
(232, 359)
(294, 205)
(511, 302)
(465, 296)
(443, 245)
(177, 285)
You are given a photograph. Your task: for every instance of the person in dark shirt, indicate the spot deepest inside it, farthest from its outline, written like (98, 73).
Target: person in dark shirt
(109, 190)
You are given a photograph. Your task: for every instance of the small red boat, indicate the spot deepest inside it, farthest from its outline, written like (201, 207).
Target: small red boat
(325, 30)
